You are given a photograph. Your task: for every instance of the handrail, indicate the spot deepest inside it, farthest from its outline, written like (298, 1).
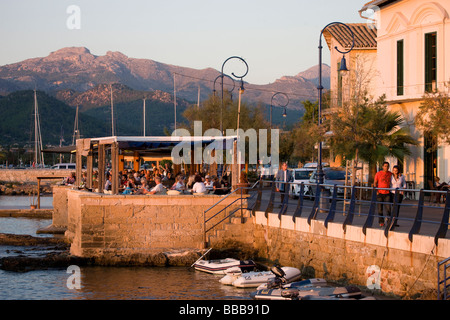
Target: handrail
(228, 195)
(356, 200)
(445, 294)
(205, 231)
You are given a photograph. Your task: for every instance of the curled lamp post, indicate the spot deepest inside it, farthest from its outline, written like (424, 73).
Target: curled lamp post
(234, 75)
(282, 106)
(221, 76)
(343, 67)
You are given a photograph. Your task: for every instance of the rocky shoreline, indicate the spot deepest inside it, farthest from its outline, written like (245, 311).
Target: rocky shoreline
(22, 189)
(40, 253)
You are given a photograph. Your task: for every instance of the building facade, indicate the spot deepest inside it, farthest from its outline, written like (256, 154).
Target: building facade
(411, 57)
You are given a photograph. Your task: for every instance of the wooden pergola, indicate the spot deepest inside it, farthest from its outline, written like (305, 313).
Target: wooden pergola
(135, 149)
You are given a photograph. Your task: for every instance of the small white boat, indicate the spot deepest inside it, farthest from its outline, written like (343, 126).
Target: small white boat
(221, 265)
(236, 278)
(322, 292)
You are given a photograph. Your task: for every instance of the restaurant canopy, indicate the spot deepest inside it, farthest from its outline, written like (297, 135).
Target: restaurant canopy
(139, 147)
(151, 143)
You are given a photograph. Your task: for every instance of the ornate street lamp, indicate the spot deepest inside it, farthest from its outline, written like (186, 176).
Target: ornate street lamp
(320, 88)
(221, 76)
(282, 106)
(238, 77)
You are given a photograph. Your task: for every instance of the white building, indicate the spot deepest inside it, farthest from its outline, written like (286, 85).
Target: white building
(411, 57)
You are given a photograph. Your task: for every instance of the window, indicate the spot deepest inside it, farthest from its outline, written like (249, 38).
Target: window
(430, 61)
(400, 68)
(302, 175)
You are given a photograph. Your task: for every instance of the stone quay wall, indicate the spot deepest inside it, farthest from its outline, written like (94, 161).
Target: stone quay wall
(121, 228)
(405, 268)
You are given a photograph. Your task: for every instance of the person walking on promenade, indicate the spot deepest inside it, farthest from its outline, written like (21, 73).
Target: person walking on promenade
(283, 175)
(397, 182)
(383, 180)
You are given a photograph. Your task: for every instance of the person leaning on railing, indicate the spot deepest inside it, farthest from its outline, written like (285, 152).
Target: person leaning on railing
(397, 182)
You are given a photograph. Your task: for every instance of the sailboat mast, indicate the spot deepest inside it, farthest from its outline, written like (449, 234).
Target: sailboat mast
(36, 133)
(76, 132)
(38, 155)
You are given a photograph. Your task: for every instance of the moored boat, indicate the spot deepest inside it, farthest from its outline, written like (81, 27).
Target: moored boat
(254, 279)
(221, 265)
(325, 292)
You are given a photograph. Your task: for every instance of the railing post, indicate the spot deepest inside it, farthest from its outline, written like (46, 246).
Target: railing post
(442, 231)
(372, 208)
(418, 220)
(257, 205)
(351, 209)
(332, 211)
(270, 204)
(285, 203)
(315, 207)
(392, 220)
(298, 210)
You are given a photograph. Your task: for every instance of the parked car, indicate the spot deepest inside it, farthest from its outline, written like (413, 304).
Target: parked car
(62, 166)
(300, 175)
(332, 176)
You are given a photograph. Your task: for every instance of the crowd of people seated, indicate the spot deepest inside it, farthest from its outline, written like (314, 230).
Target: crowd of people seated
(160, 181)
(163, 181)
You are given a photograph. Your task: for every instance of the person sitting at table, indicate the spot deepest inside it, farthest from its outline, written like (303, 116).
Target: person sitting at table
(208, 182)
(129, 189)
(143, 188)
(199, 186)
(159, 188)
(137, 178)
(190, 182)
(71, 179)
(217, 187)
(108, 183)
(179, 184)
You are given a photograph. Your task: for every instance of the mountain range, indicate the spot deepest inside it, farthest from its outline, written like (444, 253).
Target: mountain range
(68, 72)
(74, 77)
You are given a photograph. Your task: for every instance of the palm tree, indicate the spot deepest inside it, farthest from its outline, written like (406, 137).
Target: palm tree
(371, 132)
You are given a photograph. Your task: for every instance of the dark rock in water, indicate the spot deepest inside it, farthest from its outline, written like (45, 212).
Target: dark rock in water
(53, 260)
(7, 239)
(37, 253)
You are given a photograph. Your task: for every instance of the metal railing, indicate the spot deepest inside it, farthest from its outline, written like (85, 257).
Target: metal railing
(240, 191)
(444, 295)
(328, 201)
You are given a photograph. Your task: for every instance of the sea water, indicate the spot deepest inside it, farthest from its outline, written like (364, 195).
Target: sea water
(104, 283)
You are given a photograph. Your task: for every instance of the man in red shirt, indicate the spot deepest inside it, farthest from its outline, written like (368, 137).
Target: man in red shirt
(383, 180)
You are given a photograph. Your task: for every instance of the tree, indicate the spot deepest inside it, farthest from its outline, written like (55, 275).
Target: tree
(209, 113)
(306, 134)
(368, 130)
(433, 116)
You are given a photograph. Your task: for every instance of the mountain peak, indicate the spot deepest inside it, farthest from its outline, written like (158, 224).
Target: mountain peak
(70, 51)
(116, 55)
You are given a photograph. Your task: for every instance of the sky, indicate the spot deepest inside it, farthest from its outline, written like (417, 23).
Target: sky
(275, 37)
